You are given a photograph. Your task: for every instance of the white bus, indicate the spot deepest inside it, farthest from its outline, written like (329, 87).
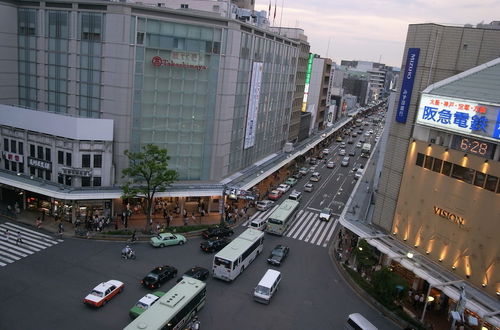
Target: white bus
(174, 309)
(235, 257)
(366, 150)
(282, 217)
(357, 321)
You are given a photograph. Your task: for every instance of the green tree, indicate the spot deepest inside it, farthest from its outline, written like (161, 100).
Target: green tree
(147, 174)
(365, 255)
(388, 285)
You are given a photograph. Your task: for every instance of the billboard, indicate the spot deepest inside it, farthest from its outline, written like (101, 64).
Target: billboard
(253, 105)
(460, 116)
(407, 87)
(307, 82)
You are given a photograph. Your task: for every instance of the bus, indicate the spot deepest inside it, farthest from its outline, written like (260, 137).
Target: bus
(357, 321)
(175, 309)
(365, 150)
(235, 257)
(282, 217)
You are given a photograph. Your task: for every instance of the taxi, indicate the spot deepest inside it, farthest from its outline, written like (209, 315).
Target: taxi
(103, 293)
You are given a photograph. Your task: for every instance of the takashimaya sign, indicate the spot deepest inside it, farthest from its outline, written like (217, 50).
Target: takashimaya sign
(77, 172)
(181, 60)
(460, 116)
(13, 157)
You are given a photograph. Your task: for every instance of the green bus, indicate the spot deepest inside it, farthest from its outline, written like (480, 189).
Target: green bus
(175, 309)
(282, 217)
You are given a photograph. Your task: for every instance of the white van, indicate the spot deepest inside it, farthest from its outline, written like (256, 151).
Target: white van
(357, 321)
(267, 286)
(258, 223)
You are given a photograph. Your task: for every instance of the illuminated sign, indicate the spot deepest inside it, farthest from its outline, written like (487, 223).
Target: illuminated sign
(13, 157)
(450, 216)
(253, 104)
(38, 163)
(460, 116)
(472, 146)
(181, 60)
(407, 87)
(307, 82)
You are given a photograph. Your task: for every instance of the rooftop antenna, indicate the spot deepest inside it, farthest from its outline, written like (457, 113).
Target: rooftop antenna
(380, 58)
(328, 47)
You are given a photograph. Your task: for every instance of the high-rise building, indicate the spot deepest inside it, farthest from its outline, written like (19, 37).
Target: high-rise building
(318, 91)
(439, 190)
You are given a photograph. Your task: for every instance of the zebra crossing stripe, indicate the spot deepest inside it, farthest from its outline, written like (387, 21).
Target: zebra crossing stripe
(5, 247)
(322, 237)
(320, 229)
(16, 247)
(297, 223)
(11, 256)
(305, 221)
(313, 230)
(310, 223)
(2, 264)
(28, 230)
(33, 238)
(6, 260)
(330, 233)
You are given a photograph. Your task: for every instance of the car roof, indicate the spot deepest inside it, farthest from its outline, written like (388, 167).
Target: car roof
(105, 285)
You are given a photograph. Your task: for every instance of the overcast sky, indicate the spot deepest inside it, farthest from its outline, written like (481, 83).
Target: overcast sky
(372, 30)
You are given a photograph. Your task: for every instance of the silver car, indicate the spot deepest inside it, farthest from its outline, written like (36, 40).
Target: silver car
(264, 205)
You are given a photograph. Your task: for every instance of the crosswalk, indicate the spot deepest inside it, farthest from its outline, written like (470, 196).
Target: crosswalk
(32, 242)
(307, 227)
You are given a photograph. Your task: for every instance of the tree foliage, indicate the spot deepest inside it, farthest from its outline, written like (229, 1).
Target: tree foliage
(147, 174)
(388, 285)
(365, 255)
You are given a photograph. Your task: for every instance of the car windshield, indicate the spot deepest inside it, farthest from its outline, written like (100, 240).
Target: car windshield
(278, 252)
(262, 290)
(327, 211)
(152, 276)
(97, 293)
(141, 305)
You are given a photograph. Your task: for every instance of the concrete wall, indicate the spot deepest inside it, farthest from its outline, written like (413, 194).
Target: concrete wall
(9, 78)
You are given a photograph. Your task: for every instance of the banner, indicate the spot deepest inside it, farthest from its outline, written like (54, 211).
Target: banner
(407, 87)
(253, 104)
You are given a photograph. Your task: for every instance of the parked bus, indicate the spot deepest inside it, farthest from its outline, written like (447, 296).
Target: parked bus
(357, 321)
(175, 309)
(235, 257)
(366, 150)
(282, 217)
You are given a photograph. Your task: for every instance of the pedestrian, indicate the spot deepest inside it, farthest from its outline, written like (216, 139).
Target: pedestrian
(421, 300)
(157, 227)
(193, 218)
(416, 299)
(19, 238)
(133, 238)
(38, 223)
(6, 234)
(43, 215)
(60, 228)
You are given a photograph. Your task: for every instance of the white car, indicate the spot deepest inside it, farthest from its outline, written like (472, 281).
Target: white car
(103, 292)
(325, 214)
(326, 151)
(308, 187)
(342, 152)
(283, 188)
(358, 174)
(358, 145)
(264, 205)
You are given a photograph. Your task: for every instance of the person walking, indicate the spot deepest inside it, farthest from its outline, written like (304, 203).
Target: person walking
(6, 234)
(38, 223)
(19, 238)
(60, 229)
(416, 299)
(169, 220)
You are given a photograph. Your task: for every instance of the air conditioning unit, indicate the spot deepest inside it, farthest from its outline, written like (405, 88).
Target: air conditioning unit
(433, 140)
(288, 147)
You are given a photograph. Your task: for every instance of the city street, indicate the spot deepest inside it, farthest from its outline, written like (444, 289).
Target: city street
(45, 289)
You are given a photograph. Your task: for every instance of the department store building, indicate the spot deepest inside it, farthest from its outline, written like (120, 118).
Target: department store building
(84, 81)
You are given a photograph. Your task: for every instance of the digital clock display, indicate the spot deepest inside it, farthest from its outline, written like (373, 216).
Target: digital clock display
(473, 146)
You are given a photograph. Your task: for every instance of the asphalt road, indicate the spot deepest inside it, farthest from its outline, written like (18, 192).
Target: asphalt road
(46, 289)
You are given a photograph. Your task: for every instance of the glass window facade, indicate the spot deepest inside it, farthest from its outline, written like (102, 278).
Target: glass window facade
(57, 33)
(91, 36)
(175, 83)
(27, 23)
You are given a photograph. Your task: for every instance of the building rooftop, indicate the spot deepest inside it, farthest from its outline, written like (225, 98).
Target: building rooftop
(479, 83)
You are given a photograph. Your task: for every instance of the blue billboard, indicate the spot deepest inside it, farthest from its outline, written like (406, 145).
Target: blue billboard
(407, 87)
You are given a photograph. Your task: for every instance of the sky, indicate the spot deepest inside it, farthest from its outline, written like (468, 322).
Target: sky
(372, 30)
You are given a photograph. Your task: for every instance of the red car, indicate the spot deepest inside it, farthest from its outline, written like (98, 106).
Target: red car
(275, 195)
(102, 293)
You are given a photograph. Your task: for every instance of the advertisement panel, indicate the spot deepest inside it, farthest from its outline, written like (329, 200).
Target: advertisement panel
(308, 80)
(253, 104)
(407, 87)
(467, 118)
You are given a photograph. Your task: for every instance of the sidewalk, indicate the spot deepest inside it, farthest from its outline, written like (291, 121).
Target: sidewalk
(136, 222)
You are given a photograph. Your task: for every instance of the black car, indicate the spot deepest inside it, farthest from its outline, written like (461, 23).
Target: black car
(158, 276)
(214, 244)
(196, 272)
(278, 254)
(217, 232)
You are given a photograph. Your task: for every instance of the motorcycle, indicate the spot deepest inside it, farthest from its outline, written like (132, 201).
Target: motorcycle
(129, 255)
